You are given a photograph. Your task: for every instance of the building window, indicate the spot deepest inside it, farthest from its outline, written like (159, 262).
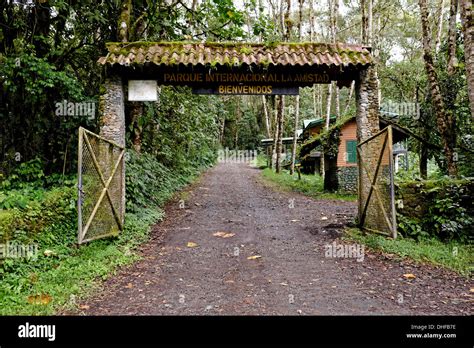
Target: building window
(351, 151)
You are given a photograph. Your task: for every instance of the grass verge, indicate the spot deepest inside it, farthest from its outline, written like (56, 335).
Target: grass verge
(309, 185)
(62, 274)
(453, 255)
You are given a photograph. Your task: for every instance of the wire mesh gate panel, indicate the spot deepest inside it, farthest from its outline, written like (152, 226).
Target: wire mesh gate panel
(376, 189)
(101, 187)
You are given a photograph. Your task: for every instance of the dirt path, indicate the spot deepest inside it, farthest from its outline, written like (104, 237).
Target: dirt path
(293, 276)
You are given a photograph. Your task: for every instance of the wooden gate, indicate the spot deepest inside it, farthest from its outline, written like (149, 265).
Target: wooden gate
(376, 188)
(101, 187)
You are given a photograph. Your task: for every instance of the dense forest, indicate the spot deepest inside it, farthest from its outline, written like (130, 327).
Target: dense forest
(49, 51)
(48, 56)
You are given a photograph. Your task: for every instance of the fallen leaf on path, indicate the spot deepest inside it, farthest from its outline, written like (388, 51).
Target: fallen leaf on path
(254, 257)
(129, 286)
(191, 245)
(409, 276)
(471, 290)
(43, 299)
(84, 307)
(223, 234)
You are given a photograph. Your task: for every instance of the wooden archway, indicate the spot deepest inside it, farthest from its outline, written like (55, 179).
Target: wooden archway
(238, 68)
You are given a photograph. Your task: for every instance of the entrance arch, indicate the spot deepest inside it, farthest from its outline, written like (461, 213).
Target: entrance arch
(238, 68)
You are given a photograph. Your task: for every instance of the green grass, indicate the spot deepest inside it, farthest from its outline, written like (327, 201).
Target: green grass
(310, 185)
(456, 256)
(453, 255)
(62, 271)
(70, 273)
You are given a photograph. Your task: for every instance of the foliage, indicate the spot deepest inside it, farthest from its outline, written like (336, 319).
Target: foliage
(149, 183)
(311, 185)
(62, 270)
(182, 128)
(444, 210)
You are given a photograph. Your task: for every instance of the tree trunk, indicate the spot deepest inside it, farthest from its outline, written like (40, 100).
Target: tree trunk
(424, 155)
(439, 34)
(364, 21)
(124, 21)
(295, 134)
(300, 21)
(328, 105)
(444, 117)
(468, 30)
(297, 100)
(136, 111)
(237, 121)
(279, 144)
(288, 23)
(370, 22)
(349, 98)
(275, 132)
(267, 117)
(452, 61)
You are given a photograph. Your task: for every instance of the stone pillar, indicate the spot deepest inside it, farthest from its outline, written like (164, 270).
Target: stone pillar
(367, 114)
(112, 107)
(112, 124)
(367, 117)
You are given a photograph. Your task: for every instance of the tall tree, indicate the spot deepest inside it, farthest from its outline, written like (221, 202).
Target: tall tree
(297, 100)
(452, 37)
(279, 134)
(444, 117)
(467, 17)
(286, 32)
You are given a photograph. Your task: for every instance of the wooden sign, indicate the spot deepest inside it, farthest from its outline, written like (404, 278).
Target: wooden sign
(243, 83)
(247, 90)
(243, 78)
(142, 90)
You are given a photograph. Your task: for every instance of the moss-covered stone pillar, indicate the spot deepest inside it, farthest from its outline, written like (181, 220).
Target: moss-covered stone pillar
(112, 108)
(367, 118)
(112, 127)
(367, 114)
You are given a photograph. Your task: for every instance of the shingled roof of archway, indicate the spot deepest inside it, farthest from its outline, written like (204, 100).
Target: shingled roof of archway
(237, 54)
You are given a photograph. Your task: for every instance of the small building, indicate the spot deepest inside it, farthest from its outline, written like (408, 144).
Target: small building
(311, 164)
(340, 162)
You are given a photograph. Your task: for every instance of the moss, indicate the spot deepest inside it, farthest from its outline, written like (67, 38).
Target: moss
(327, 139)
(243, 47)
(246, 48)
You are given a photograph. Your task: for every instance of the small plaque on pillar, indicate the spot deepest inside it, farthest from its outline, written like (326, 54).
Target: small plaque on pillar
(142, 90)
